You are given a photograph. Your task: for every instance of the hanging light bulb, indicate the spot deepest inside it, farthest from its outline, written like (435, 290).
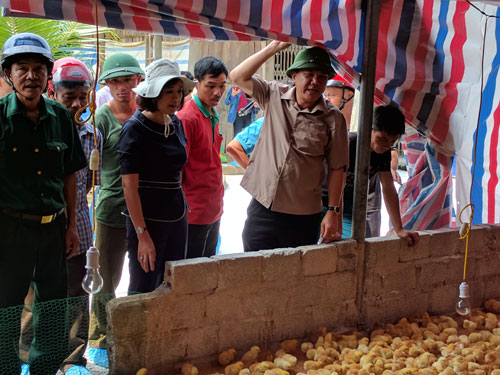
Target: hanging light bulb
(92, 282)
(463, 304)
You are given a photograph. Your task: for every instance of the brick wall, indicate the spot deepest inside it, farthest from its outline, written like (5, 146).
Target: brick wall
(239, 300)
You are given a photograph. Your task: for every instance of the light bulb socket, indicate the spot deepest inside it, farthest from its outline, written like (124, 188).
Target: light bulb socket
(464, 290)
(92, 258)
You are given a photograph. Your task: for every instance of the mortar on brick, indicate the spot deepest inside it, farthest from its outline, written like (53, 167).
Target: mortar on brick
(420, 251)
(192, 275)
(319, 260)
(238, 269)
(443, 242)
(281, 264)
(400, 277)
(347, 256)
(440, 272)
(272, 323)
(383, 251)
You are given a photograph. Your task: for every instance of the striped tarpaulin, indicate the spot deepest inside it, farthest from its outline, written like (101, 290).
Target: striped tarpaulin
(428, 62)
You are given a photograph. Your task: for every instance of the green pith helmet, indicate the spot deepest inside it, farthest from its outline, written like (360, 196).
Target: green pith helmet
(120, 65)
(315, 58)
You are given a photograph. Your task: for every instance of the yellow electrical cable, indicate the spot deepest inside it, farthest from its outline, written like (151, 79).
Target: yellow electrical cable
(466, 227)
(91, 105)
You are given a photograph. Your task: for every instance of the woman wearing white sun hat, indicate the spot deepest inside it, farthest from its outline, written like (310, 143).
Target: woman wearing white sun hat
(152, 156)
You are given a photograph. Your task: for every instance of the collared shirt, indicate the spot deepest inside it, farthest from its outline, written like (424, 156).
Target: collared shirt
(103, 96)
(285, 171)
(202, 178)
(378, 163)
(110, 202)
(248, 137)
(35, 158)
(84, 184)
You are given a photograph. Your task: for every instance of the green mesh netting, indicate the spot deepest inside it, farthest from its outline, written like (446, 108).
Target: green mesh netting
(47, 338)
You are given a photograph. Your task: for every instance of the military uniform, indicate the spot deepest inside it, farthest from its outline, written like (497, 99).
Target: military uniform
(34, 159)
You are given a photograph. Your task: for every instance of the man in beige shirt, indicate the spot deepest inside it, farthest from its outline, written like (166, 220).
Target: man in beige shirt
(301, 129)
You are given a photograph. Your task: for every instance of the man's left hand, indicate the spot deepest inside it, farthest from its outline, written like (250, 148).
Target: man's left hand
(410, 236)
(331, 227)
(72, 241)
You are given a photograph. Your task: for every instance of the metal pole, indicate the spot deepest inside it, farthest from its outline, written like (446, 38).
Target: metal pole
(365, 119)
(157, 50)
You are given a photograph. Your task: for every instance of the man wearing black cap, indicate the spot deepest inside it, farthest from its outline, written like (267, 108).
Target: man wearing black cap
(301, 129)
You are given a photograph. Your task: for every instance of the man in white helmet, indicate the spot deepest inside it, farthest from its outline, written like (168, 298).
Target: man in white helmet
(40, 152)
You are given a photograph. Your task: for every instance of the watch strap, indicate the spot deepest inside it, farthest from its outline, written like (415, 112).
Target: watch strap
(335, 209)
(140, 230)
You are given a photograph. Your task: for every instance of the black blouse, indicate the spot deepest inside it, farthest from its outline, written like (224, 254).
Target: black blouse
(158, 160)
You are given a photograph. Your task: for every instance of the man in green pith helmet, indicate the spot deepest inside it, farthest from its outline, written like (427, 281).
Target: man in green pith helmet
(301, 130)
(121, 73)
(40, 153)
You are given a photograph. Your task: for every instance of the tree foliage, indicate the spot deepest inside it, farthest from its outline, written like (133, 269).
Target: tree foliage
(65, 38)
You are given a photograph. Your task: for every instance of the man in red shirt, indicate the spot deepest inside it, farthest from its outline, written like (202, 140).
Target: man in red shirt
(202, 178)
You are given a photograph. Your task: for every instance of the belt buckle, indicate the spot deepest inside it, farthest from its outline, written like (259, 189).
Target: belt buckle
(47, 219)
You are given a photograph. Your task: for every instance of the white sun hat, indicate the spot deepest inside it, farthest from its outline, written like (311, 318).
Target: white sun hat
(158, 73)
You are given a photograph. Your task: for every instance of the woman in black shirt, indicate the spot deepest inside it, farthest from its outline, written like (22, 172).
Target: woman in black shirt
(152, 156)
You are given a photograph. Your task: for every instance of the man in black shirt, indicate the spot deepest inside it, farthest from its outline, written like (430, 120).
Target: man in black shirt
(388, 125)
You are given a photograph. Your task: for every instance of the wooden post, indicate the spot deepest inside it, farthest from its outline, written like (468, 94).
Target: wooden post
(157, 47)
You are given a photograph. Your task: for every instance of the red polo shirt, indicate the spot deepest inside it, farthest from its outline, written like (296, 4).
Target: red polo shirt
(202, 179)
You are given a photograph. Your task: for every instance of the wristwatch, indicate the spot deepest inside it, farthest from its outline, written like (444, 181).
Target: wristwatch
(140, 230)
(335, 209)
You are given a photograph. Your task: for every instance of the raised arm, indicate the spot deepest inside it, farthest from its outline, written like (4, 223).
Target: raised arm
(392, 204)
(242, 74)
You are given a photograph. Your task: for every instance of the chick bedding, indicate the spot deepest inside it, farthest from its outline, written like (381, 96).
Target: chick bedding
(421, 345)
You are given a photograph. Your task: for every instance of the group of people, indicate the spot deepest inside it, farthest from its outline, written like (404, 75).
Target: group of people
(160, 177)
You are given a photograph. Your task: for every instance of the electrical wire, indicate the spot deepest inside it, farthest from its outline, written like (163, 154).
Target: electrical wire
(91, 106)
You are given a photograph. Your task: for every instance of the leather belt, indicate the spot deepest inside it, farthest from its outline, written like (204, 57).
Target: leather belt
(42, 219)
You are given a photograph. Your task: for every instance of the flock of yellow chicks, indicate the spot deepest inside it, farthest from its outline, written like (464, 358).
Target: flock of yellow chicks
(423, 345)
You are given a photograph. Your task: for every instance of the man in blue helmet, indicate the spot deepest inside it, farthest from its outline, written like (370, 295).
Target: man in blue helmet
(39, 154)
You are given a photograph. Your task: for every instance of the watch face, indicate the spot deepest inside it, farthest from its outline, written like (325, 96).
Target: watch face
(139, 230)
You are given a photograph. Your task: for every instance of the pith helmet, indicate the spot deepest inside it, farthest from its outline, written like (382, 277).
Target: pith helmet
(120, 65)
(315, 58)
(26, 44)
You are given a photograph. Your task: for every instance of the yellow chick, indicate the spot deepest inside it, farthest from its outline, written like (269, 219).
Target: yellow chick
(262, 366)
(305, 346)
(250, 356)
(495, 372)
(142, 371)
(234, 369)
(276, 371)
(227, 356)
(478, 319)
(311, 365)
(189, 369)
(285, 362)
(245, 371)
(469, 325)
(491, 321)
